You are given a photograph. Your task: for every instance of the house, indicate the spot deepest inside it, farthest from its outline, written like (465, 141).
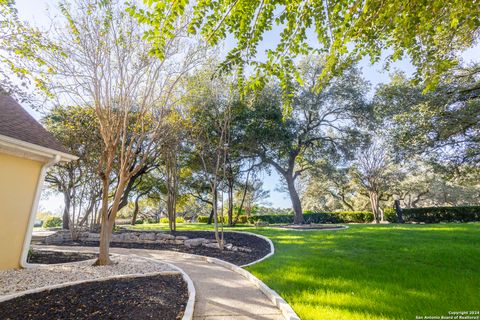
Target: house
(27, 150)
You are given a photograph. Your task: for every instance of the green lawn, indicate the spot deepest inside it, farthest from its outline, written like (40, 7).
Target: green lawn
(373, 271)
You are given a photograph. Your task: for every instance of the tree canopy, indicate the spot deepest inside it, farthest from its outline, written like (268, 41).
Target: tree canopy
(431, 33)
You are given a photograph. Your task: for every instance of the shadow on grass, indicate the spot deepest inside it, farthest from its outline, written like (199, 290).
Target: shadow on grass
(376, 272)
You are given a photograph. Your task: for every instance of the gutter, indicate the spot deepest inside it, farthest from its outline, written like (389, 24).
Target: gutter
(33, 212)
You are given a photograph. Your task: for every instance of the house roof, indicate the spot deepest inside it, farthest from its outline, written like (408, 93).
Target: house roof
(17, 123)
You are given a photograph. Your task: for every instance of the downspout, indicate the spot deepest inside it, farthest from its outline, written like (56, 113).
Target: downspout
(33, 212)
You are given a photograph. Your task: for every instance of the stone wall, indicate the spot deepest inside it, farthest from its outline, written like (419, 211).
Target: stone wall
(142, 237)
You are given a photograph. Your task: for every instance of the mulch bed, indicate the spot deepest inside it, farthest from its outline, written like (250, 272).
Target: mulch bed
(53, 257)
(307, 226)
(259, 247)
(154, 297)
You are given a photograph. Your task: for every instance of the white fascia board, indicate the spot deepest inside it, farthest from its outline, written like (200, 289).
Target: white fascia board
(30, 150)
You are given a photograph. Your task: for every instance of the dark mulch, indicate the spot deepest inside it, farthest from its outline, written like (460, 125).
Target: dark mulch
(52, 257)
(259, 247)
(156, 297)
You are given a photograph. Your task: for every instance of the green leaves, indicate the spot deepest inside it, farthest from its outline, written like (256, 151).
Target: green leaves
(429, 32)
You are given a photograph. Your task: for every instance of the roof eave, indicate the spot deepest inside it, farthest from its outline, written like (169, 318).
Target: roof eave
(17, 146)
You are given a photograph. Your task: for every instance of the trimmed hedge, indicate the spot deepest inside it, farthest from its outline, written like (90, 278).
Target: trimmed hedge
(177, 220)
(317, 217)
(439, 214)
(242, 219)
(426, 215)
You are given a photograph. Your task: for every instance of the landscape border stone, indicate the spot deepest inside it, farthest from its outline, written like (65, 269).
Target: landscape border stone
(277, 300)
(189, 308)
(272, 247)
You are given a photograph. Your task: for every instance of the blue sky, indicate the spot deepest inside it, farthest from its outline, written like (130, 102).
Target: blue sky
(36, 13)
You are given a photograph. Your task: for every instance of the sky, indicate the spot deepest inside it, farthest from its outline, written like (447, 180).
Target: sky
(36, 13)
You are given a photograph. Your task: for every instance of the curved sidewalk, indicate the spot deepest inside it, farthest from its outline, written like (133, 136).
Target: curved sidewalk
(220, 293)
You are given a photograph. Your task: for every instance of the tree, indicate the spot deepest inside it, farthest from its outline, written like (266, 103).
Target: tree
(431, 33)
(321, 126)
(208, 121)
(373, 164)
(77, 129)
(20, 56)
(330, 187)
(424, 185)
(251, 195)
(443, 125)
(171, 149)
(105, 63)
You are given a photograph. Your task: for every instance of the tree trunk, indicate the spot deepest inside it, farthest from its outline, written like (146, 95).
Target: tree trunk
(108, 219)
(104, 249)
(135, 210)
(171, 169)
(66, 211)
(375, 207)
(230, 203)
(89, 210)
(218, 234)
(210, 218)
(296, 203)
(106, 229)
(171, 211)
(243, 199)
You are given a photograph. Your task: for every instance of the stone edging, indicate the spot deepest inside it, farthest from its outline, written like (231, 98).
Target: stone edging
(272, 248)
(287, 311)
(188, 313)
(189, 308)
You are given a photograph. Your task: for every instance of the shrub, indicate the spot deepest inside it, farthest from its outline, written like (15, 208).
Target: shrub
(390, 214)
(177, 220)
(180, 220)
(442, 214)
(354, 216)
(52, 222)
(202, 219)
(272, 218)
(318, 217)
(241, 219)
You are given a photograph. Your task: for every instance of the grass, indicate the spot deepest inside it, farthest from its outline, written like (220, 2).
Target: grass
(372, 271)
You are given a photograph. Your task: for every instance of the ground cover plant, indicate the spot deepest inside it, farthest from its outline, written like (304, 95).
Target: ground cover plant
(371, 271)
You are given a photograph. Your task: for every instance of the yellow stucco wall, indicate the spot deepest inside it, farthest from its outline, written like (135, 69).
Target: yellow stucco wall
(18, 183)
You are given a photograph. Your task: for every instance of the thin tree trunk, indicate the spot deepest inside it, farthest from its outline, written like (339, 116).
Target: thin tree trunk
(66, 210)
(345, 202)
(135, 210)
(243, 199)
(230, 203)
(88, 212)
(218, 235)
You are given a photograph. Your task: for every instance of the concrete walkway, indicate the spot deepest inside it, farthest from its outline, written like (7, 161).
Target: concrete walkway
(221, 293)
